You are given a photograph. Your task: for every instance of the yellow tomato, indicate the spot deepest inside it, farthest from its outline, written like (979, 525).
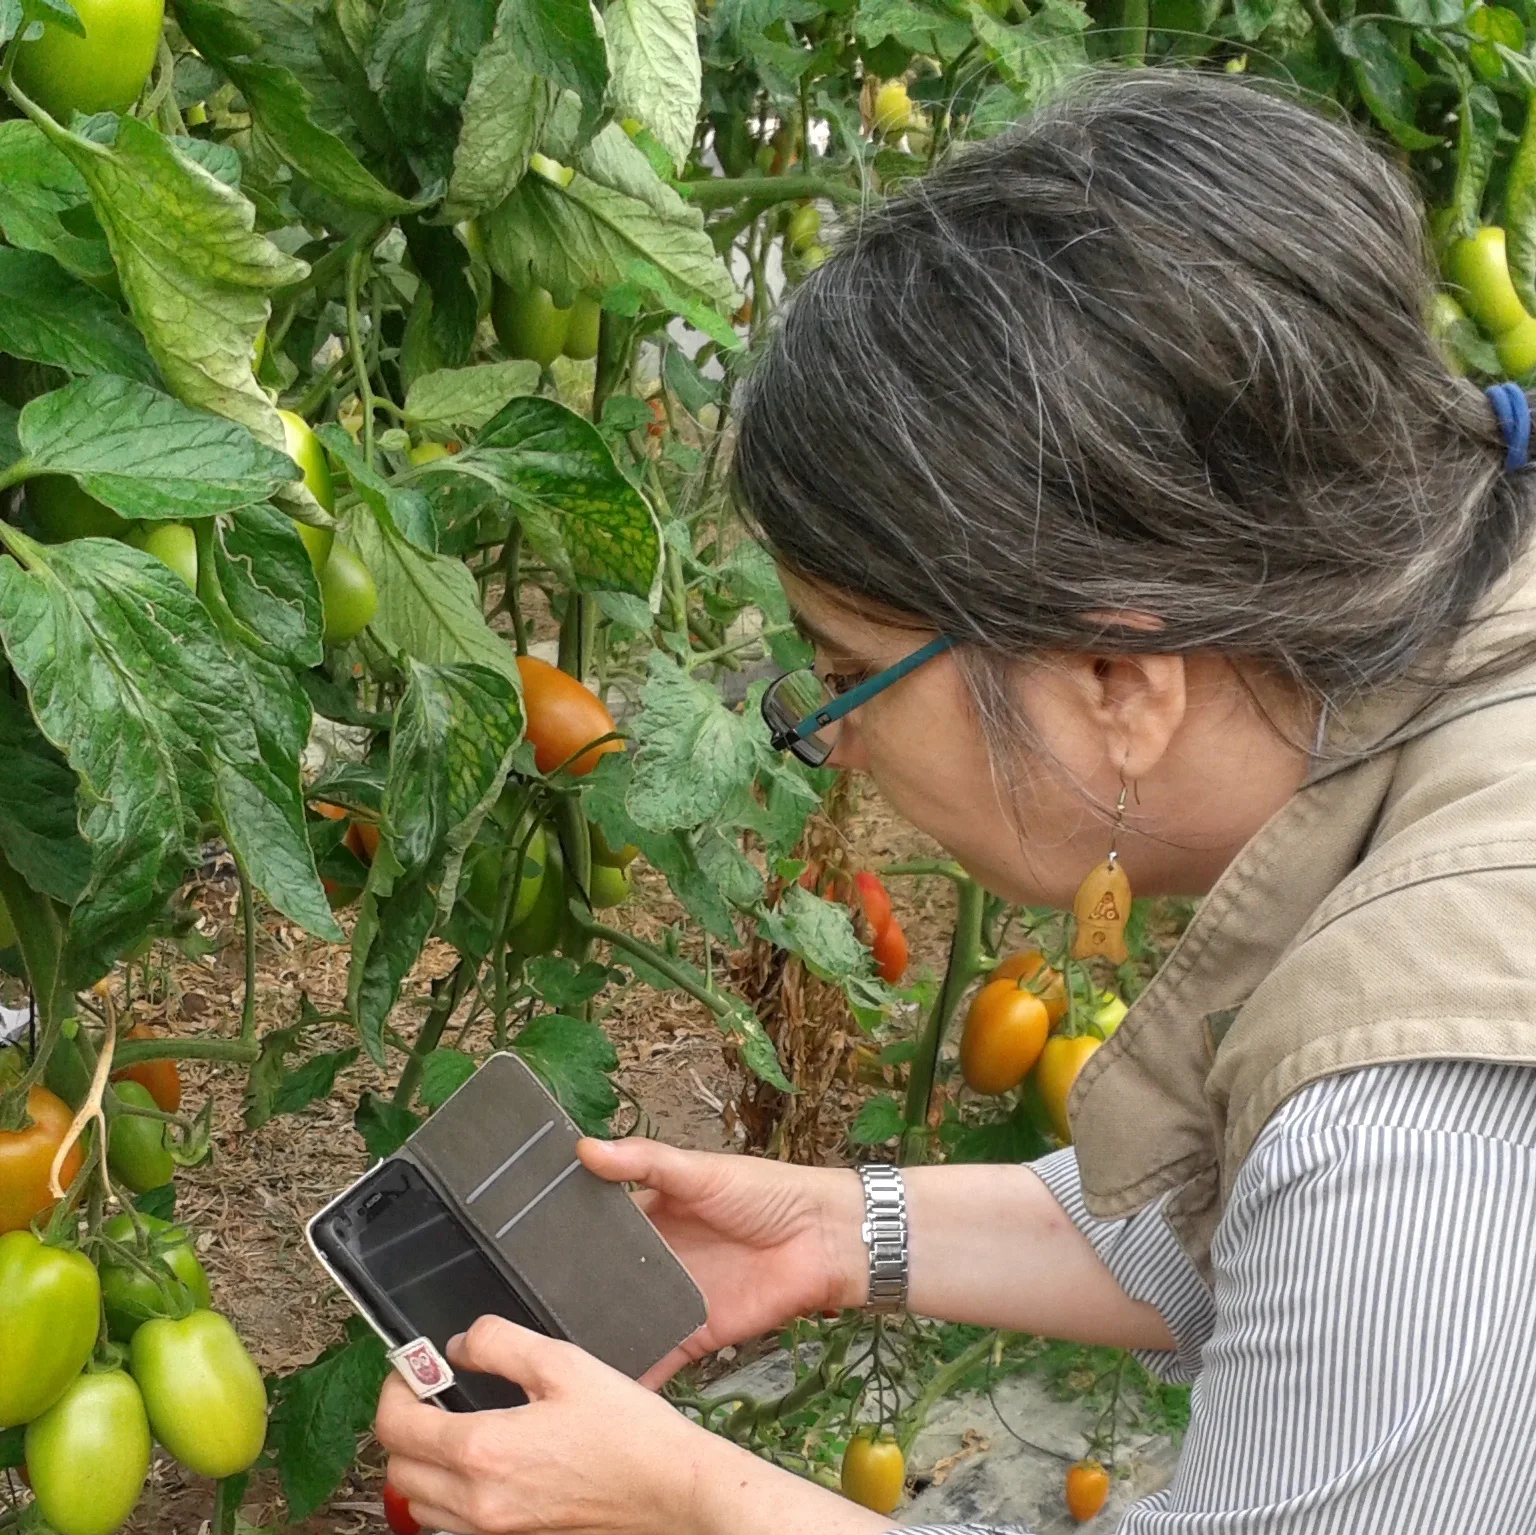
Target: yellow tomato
(1059, 1064)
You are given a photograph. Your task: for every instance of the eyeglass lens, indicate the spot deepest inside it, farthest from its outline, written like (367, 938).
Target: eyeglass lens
(789, 700)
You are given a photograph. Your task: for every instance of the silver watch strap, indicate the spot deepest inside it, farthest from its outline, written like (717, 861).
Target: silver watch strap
(885, 1234)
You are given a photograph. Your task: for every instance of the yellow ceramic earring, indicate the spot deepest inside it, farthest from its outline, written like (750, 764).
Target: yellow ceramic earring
(1103, 905)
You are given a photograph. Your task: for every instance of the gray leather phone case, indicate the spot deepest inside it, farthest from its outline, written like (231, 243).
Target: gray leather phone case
(577, 1250)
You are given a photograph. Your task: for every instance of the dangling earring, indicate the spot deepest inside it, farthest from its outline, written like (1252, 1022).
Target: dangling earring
(1103, 905)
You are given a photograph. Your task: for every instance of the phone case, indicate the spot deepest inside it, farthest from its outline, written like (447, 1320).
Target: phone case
(581, 1254)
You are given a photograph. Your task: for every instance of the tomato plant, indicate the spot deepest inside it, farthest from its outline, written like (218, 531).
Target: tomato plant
(161, 1277)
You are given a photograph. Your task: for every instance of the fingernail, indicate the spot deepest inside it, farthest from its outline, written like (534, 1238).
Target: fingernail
(455, 1342)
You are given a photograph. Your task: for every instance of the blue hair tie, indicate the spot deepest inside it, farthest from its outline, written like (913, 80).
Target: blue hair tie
(1514, 414)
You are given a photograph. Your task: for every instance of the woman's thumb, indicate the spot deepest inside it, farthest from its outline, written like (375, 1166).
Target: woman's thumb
(638, 1160)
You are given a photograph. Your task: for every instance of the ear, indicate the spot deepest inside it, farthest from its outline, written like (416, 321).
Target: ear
(1139, 702)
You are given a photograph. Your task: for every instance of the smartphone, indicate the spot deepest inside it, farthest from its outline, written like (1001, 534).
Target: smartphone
(408, 1258)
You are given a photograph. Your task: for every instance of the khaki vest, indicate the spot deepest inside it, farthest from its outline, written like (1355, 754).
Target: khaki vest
(1387, 912)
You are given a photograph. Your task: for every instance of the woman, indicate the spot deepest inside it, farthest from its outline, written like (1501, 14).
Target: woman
(1135, 407)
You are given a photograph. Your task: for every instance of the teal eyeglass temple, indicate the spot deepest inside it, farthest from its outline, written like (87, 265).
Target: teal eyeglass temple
(846, 703)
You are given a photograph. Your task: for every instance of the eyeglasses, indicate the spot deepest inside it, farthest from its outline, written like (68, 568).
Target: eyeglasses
(802, 711)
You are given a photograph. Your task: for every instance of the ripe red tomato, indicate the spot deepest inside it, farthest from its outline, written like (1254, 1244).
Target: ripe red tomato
(26, 1155)
(1005, 1031)
(162, 1078)
(397, 1513)
(563, 716)
(1087, 1489)
(890, 950)
(875, 901)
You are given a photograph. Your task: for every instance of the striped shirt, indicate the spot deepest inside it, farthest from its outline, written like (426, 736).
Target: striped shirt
(1366, 1362)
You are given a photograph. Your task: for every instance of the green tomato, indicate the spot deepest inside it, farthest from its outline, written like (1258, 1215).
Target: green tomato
(428, 453)
(529, 323)
(88, 1455)
(485, 877)
(581, 332)
(1480, 268)
(804, 225)
(610, 886)
(348, 596)
(172, 543)
(60, 511)
(50, 1308)
(130, 1297)
(1517, 349)
(136, 1151)
(603, 853)
(105, 70)
(307, 451)
(541, 929)
(206, 1401)
(1107, 1013)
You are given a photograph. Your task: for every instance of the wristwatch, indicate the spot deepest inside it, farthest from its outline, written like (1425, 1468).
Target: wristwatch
(884, 1233)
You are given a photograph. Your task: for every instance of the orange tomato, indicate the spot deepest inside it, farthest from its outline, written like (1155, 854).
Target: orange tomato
(329, 811)
(563, 716)
(1005, 1032)
(1046, 983)
(1060, 1062)
(1087, 1489)
(161, 1079)
(26, 1155)
(890, 951)
(363, 839)
(875, 901)
(657, 426)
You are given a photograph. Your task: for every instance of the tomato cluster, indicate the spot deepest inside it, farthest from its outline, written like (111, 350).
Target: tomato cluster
(89, 1421)
(868, 895)
(1478, 269)
(1017, 1026)
(530, 324)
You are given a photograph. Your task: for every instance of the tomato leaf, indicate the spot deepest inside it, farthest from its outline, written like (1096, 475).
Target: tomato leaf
(562, 982)
(694, 751)
(1041, 54)
(384, 1126)
(429, 605)
(559, 39)
(922, 28)
(573, 1059)
(146, 455)
(504, 113)
(443, 1073)
(307, 1084)
(450, 398)
(268, 586)
(819, 931)
(407, 512)
(1014, 1139)
(128, 678)
(576, 507)
(317, 1415)
(49, 316)
(1381, 75)
(37, 185)
(588, 235)
(194, 271)
(455, 732)
(653, 49)
(39, 834)
(11, 1447)
(879, 1120)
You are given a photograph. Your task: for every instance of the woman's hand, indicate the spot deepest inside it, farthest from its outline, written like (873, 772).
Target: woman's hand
(765, 1241)
(592, 1453)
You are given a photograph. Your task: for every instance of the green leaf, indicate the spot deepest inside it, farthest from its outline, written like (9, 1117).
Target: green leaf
(318, 1414)
(268, 586)
(128, 679)
(443, 1073)
(37, 186)
(49, 316)
(275, 1089)
(404, 511)
(820, 932)
(587, 235)
(504, 114)
(455, 732)
(441, 258)
(573, 1059)
(1381, 75)
(451, 399)
(694, 751)
(194, 272)
(384, 1126)
(653, 52)
(1043, 53)
(881, 1119)
(1012, 1140)
(146, 455)
(1477, 139)
(420, 63)
(39, 835)
(922, 28)
(10, 442)
(282, 106)
(429, 605)
(576, 507)
(559, 40)
(562, 982)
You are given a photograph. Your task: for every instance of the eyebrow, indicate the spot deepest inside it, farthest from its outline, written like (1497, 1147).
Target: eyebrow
(815, 633)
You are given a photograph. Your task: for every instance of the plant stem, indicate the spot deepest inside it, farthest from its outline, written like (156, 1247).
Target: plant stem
(248, 913)
(965, 964)
(233, 1052)
(355, 343)
(449, 994)
(719, 191)
(1134, 21)
(648, 954)
(943, 1382)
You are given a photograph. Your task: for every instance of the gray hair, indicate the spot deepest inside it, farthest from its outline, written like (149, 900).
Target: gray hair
(1160, 347)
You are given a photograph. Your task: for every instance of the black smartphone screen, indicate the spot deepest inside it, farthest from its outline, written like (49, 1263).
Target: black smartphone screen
(408, 1256)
